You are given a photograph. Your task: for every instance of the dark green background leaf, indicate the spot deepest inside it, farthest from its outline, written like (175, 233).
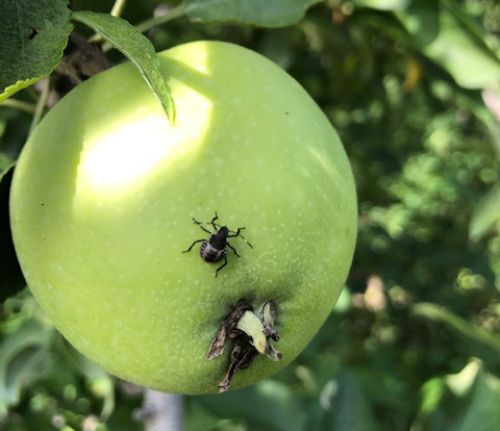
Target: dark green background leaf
(23, 356)
(268, 405)
(33, 35)
(480, 342)
(486, 215)
(342, 407)
(263, 13)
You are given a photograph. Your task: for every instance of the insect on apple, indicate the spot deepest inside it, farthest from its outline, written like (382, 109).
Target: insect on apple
(215, 247)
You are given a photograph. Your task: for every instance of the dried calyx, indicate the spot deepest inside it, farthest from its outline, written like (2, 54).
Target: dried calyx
(251, 333)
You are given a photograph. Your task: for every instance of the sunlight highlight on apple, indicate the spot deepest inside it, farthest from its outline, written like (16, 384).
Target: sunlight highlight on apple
(117, 161)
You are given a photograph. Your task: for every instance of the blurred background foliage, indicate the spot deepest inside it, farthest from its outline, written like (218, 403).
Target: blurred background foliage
(413, 87)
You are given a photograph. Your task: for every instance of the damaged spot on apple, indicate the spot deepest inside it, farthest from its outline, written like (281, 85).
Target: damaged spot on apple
(250, 334)
(226, 328)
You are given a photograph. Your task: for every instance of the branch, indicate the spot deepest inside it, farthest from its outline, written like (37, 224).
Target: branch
(161, 411)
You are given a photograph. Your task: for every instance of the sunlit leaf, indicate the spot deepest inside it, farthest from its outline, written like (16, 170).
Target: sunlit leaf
(383, 4)
(136, 47)
(432, 394)
(450, 38)
(486, 215)
(480, 410)
(464, 401)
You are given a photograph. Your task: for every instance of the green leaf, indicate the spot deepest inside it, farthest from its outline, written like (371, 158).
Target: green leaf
(5, 166)
(432, 393)
(263, 13)
(342, 407)
(34, 34)
(421, 20)
(485, 215)
(382, 4)
(480, 410)
(465, 401)
(449, 37)
(483, 412)
(23, 357)
(136, 47)
(435, 312)
(268, 405)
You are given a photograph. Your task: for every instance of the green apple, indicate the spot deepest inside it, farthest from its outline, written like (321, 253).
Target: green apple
(104, 195)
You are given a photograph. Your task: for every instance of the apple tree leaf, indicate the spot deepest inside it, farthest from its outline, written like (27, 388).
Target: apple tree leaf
(136, 47)
(463, 401)
(445, 34)
(6, 164)
(480, 342)
(342, 406)
(268, 405)
(486, 215)
(480, 409)
(34, 34)
(262, 13)
(23, 359)
(382, 4)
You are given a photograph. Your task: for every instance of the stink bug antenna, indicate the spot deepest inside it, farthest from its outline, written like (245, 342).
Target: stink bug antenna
(200, 225)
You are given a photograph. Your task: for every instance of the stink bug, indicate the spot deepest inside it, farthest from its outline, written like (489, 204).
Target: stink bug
(214, 249)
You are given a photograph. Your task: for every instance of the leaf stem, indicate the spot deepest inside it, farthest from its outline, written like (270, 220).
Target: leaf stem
(144, 26)
(118, 7)
(40, 105)
(20, 105)
(435, 312)
(116, 10)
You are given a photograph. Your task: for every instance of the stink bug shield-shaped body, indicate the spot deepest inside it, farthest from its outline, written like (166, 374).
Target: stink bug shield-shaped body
(214, 249)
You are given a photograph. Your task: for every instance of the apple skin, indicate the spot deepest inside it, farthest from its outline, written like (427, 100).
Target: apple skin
(104, 194)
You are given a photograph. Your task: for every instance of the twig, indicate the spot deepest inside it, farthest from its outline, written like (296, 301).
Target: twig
(20, 105)
(174, 13)
(144, 26)
(118, 7)
(40, 105)
(116, 10)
